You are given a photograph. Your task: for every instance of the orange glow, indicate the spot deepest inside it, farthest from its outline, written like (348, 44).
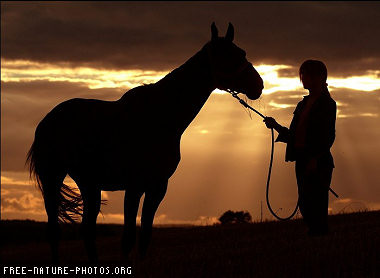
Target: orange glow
(366, 83)
(24, 71)
(273, 83)
(224, 152)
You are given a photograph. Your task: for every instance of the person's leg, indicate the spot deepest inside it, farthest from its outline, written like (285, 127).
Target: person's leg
(303, 194)
(320, 187)
(313, 197)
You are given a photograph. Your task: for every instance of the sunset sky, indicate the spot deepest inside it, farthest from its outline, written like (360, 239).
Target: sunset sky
(51, 52)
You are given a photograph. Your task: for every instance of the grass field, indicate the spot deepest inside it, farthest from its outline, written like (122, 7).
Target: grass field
(268, 249)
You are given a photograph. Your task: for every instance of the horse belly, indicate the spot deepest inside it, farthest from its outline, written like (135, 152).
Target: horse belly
(118, 169)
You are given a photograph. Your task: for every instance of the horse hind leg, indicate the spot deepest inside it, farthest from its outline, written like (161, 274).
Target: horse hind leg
(91, 207)
(131, 205)
(153, 198)
(50, 185)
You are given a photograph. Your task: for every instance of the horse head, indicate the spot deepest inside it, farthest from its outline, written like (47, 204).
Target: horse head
(229, 66)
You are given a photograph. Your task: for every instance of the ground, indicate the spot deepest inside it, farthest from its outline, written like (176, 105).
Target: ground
(267, 249)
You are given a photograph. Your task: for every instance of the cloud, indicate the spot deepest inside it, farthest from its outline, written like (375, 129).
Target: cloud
(12, 181)
(357, 104)
(27, 202)
(24, 104)
(28, 71)
(347, 205)
(161, 36)
(111, 218)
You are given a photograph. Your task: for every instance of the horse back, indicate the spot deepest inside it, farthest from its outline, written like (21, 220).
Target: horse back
(112, 137)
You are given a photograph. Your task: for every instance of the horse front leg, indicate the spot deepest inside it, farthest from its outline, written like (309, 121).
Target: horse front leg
(131, 205)
(91, 208)
(153, 198)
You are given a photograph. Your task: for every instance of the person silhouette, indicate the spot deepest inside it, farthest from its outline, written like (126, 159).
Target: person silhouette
(309, 138)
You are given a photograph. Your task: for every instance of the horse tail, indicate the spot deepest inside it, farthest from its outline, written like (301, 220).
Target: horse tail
(71, 204)
(66, 201)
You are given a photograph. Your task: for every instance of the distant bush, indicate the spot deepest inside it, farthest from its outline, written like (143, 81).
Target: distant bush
(238, 217)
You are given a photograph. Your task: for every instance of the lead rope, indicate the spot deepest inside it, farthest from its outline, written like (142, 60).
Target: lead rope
(246, 105)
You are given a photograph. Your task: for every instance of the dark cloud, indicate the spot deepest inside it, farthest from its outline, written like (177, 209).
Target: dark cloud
(162, 35)
(23, 105)
(356, 105)
(288, 72)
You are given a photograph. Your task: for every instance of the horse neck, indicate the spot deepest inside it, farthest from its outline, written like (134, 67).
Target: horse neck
(186, 90)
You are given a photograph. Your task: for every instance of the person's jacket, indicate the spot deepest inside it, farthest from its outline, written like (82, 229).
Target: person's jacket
(320, 131)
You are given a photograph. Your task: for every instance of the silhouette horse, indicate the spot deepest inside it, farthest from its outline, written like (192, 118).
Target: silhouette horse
(130, 144)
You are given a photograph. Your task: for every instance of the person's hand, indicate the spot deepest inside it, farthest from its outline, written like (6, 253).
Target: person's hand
(270, 122)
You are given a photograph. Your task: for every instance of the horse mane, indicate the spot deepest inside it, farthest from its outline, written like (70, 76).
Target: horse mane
(174, 79)
(136, 90)
(177, 76)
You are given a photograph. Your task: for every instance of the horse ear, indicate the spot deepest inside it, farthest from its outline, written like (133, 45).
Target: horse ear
(214, 32)
(230, 32)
